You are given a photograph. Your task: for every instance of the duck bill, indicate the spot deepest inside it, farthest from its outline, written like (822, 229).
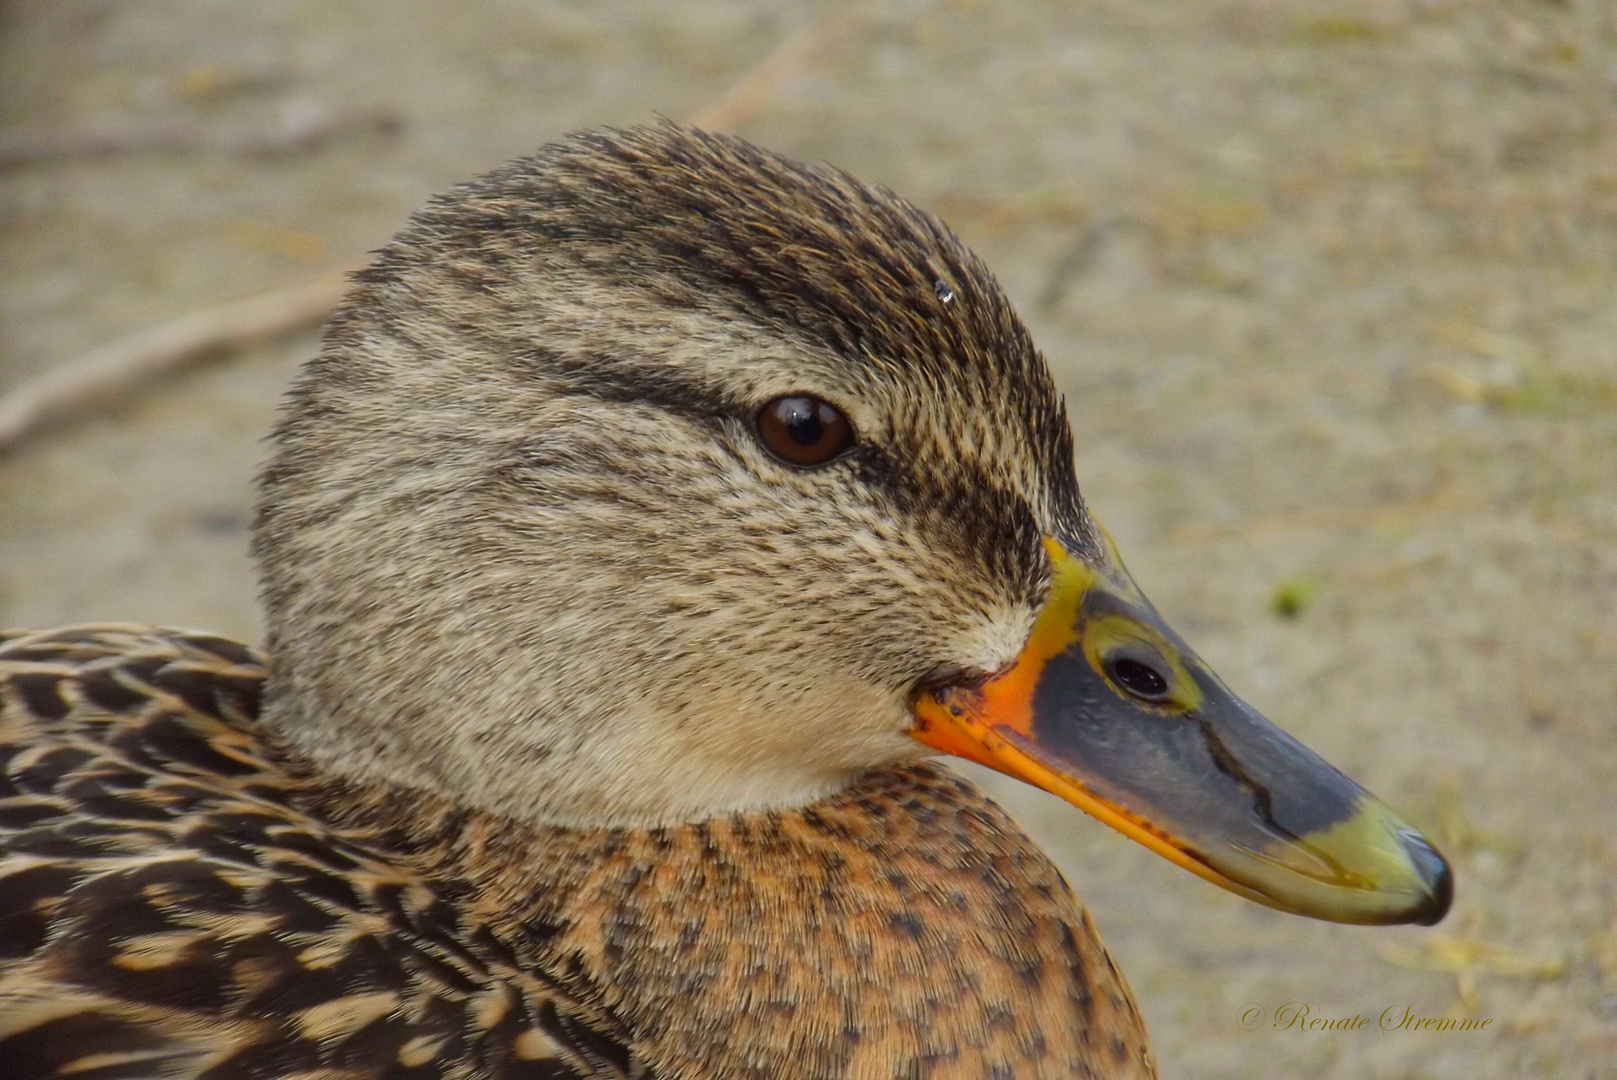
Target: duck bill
(1107, 708)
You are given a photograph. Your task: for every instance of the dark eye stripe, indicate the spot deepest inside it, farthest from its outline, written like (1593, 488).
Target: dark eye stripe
(608, 379)
(989, 520)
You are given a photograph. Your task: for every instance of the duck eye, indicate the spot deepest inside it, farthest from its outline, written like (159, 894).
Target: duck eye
(1138, 678)
(803, 430)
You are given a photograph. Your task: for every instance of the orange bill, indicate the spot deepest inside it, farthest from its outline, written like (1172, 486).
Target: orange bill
(1108, 708)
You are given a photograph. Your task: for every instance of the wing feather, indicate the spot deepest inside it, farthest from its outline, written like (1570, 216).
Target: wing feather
(166, 910)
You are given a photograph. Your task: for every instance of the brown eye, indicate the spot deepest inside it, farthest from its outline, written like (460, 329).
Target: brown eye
(803, 430)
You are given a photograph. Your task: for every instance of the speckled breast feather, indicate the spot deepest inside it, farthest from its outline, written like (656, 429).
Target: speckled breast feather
(179, 897)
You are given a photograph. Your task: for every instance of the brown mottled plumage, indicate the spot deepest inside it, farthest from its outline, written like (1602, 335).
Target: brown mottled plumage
(170, 907)
(585, 746)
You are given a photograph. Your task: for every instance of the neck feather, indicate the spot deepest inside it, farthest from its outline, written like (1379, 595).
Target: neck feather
(899, 924)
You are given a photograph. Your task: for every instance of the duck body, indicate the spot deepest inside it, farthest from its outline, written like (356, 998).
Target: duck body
(656, 510)
(182, 896)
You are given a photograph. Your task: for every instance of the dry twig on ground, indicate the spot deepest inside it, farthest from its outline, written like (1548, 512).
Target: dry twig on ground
(129, 361)
(748, 96)
(301, 127)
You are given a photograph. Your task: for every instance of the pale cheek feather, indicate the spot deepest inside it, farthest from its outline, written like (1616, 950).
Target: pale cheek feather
(993, 643)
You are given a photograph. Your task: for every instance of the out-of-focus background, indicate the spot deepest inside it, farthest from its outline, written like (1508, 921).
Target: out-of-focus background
(1331, 288)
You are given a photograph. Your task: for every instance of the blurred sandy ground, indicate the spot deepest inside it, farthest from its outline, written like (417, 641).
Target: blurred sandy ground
(1332, 289)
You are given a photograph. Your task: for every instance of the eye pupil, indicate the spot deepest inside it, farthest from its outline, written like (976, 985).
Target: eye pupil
(1139, 678)
(803, 430)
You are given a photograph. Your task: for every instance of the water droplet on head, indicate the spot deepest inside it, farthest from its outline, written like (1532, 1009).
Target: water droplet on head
(945, 293)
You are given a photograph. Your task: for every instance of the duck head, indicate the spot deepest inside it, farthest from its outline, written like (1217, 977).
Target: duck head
(656, 477)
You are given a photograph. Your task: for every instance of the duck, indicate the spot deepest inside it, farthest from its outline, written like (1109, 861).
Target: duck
(656, 515)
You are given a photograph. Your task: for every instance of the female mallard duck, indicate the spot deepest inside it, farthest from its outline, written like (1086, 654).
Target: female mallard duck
(654, 509)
